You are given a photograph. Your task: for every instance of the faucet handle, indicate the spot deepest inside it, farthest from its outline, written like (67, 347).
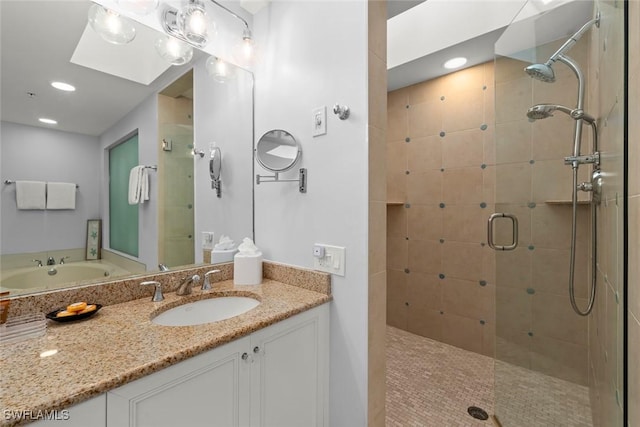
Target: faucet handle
(39, 261)
(207, 282)
(157, 295)
(63, 258)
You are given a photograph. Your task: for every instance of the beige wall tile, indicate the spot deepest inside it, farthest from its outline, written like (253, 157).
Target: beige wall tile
(397, 298)
(514, 268)
(634, 255)
(463, 148)
(398, 99)
(463, 109)
(425, 222)
(513, 99)
(425, 256)
(550, 271)
(552, 180)
(468, 299)
(508, 69)
(462, 260)
(427, 323)
(377, 163)
(513, 183)
(377, 237)
(396, 155)
(396, 186)
(551, 226)
(553, 138)
(377, 348)
(424, 291)
(397, 253)
(489, 185)
(514, 311)
(634, 370)
(425, 154)
(465, 224)
(464, 80)
(559, 359)
(489, 339)
(424, 187)
(462, 186)
(513, 142)
(462, 332)
(429, 91)
(425, 119)
(397, 124)
(396, 222)
(515, 349)
(553, 317)
(377, 33)
(503, 227)
(377, 92)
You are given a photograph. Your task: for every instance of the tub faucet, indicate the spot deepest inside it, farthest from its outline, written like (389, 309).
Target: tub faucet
(51, 261)
(187, 284)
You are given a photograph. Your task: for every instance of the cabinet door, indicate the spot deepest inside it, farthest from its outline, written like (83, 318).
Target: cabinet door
(90, 413)
(289, 372)
(206, 390)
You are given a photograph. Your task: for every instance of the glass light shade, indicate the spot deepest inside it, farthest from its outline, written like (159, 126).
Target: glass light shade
(173, 50)
(220, 70)
(244, 53)
(139, 7)
(110, 25)
(194, 23)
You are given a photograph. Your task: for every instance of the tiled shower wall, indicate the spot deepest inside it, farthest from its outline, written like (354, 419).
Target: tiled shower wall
(440, 190)
(606, 321)
(633, 313)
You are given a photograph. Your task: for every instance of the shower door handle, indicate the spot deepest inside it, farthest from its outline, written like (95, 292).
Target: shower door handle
(514, 242)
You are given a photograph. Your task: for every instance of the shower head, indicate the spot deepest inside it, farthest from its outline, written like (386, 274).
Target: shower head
(543, 111)
(542, 72)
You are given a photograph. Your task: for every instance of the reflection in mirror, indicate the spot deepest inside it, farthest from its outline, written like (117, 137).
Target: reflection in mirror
(277, 151)
(108, 105)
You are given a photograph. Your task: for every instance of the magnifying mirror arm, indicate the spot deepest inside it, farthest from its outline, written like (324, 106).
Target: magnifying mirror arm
(302, 180)
(216, 184)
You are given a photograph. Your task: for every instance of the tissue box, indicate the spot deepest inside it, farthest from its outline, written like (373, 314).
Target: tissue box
(247, 269)
(222, 255)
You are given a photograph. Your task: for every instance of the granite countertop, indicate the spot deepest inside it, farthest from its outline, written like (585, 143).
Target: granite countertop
(120, 344)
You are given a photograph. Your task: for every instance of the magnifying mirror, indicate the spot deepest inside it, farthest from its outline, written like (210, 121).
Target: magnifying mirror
(215, 167)
(277, 151)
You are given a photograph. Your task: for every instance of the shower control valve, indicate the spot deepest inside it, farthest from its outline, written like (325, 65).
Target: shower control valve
(585, 186)
(593, 159)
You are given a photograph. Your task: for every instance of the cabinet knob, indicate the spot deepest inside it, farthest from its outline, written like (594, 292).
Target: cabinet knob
(245, 356)
(256, 349)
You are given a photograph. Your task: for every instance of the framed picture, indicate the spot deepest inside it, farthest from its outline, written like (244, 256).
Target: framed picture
(94, 239)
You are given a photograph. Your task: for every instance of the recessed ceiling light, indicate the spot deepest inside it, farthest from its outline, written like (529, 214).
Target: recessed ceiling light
(455, 62)
(48, 121)
(63, 86)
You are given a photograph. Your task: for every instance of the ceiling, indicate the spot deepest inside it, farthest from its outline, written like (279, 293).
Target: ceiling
(36, 50)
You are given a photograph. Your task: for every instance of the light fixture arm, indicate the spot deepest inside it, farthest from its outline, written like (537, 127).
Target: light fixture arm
(247, 32)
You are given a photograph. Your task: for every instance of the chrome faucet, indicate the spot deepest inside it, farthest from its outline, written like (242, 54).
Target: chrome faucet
(207, 282)
(157, 294)
(38, 261)
(187, 284)
(62, 259)
(163, 267)
(51, 261)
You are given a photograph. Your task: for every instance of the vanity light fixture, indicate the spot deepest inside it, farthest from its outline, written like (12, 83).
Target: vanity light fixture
(47, 121)
(110, 25)
(219, 69)
(190, 24)
(455, 63)
(139, 7)
(173, 50)
(63, 86)
(244, 52)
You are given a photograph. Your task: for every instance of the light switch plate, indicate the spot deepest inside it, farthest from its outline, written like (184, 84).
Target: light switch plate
(333, 260)
(207, 240)
(319, 121)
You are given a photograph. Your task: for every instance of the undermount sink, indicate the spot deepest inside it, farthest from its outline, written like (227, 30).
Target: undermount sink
(205, 311)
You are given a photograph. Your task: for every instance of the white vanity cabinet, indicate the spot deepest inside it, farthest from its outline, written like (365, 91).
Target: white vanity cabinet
(90, 413)
(277, 376)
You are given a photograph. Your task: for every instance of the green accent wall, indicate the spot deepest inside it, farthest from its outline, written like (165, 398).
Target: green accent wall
(123, 217)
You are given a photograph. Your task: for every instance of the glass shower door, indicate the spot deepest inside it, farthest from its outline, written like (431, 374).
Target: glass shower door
(553, 366)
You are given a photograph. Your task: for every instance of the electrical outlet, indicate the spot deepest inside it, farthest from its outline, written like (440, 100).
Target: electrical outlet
(330, 259)
(319, 117)
(207, 240)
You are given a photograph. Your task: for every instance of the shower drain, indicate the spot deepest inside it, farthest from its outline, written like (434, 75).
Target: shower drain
(478, 413)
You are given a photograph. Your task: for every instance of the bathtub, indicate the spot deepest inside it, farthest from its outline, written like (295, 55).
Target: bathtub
(33, 279)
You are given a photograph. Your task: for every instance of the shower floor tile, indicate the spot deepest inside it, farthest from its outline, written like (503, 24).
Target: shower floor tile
(430, 383)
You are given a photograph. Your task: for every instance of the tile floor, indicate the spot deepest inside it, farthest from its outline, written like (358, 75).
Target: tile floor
(430, 383)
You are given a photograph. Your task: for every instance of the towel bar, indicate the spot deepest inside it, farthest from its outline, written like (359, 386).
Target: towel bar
(10, 181)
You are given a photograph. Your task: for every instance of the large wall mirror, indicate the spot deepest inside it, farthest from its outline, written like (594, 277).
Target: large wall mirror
(120, 91)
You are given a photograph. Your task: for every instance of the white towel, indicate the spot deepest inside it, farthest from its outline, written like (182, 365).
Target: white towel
(138, 185)
(61, 195)
(30, 194)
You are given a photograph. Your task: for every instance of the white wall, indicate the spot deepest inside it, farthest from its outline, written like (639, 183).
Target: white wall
(314, 53)
(144, 119)
(231, 129)
(33, 153)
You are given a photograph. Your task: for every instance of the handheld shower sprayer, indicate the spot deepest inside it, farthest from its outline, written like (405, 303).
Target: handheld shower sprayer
(543, 111)
(544, 72)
